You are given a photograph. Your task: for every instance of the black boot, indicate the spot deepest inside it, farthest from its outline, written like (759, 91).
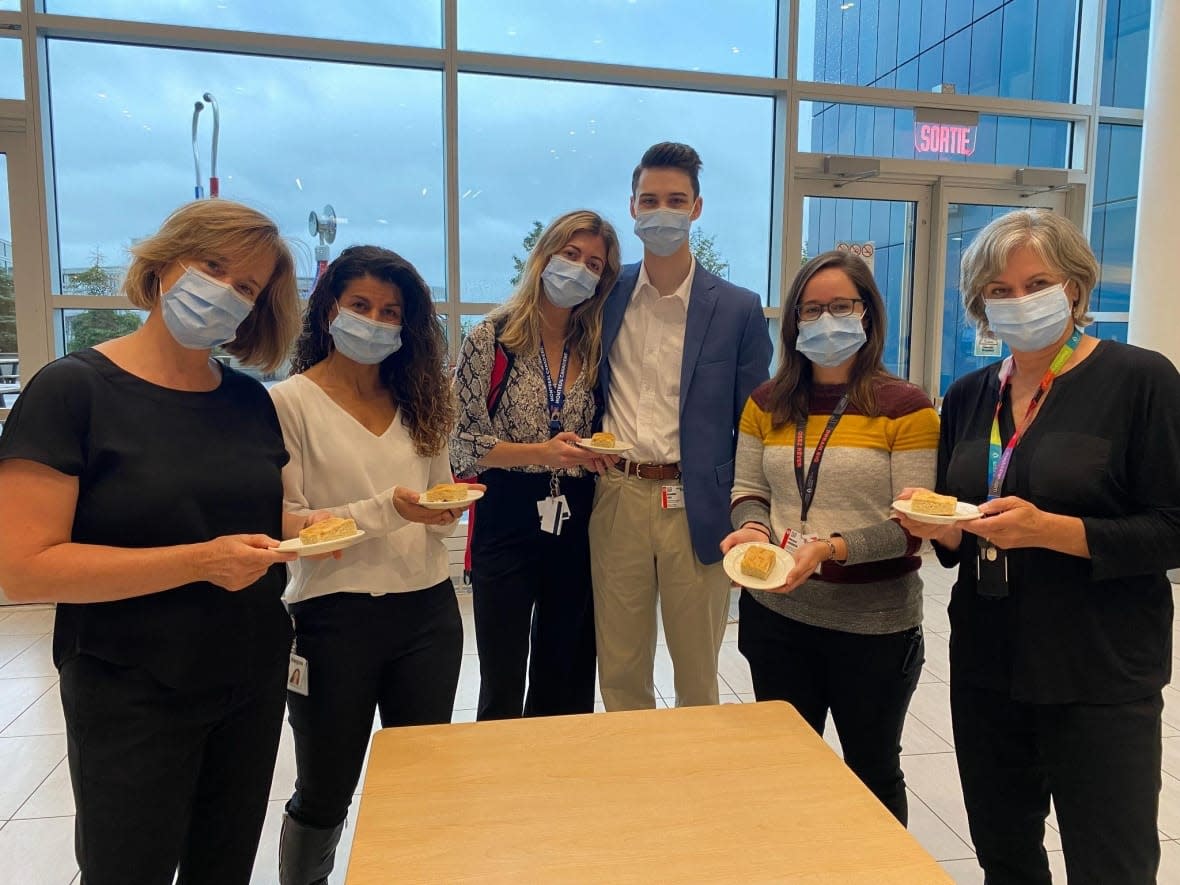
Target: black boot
(306, 854)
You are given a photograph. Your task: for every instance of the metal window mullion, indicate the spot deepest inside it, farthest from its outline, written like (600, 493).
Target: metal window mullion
(451, 209)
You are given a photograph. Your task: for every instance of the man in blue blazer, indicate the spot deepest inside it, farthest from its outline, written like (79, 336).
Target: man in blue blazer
(682, 351)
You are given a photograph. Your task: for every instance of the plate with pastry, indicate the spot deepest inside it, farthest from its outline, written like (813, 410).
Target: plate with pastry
(758, 565)
(449, 496)
(604, 444)
(926, 506)
(325, 536)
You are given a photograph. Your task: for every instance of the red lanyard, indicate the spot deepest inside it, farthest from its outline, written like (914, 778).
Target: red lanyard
(1000, 456)
(807, 486)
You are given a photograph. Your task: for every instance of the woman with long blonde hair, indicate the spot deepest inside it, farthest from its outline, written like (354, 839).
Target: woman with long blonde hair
(530, 576)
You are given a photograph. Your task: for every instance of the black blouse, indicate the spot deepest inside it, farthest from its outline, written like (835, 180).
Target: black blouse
(158, 467)
(1104, 447)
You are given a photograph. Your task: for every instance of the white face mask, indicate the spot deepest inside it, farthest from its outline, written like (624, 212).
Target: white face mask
(829, 341)
(663, 231)
(568, 283)
(363, 340)
(1030, 322)
(201, 312)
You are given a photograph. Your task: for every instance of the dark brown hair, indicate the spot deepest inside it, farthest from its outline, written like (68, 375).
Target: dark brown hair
(790, 391)
(670, 155)
(416, 374)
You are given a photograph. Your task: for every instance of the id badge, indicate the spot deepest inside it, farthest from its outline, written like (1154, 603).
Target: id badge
(796, 539)
(672, 497)
(553, 512)
(991, 571)
(297, 675)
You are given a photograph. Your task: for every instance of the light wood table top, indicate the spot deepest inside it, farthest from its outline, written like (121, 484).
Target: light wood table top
(733, 793)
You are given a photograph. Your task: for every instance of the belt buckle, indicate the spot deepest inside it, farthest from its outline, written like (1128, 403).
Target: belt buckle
(639, 468)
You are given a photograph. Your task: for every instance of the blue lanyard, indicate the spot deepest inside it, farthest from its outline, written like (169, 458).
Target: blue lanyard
(555, 393)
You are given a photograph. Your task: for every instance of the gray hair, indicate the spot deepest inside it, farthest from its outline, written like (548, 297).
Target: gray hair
(1054, 238)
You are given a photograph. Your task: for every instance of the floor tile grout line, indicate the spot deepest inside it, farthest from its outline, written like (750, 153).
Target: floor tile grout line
(8, 724)
(60, 762)
(966, 842)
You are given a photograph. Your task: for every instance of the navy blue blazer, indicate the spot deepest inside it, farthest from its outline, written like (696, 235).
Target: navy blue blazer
(726, 355)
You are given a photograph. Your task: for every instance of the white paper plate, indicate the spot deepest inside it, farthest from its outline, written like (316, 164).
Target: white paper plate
(473, 495)
(963, 511)
(321, 546)
(617, 449)
(783, 563)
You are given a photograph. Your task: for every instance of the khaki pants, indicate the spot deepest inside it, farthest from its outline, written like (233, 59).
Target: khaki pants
(639, 553)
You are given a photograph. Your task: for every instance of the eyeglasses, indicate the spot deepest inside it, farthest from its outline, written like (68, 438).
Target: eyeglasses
(840, 307)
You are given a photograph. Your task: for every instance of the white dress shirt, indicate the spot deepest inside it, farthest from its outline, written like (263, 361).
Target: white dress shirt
(643, 404)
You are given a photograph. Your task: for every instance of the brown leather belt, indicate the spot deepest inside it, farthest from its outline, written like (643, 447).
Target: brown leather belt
(649, 471)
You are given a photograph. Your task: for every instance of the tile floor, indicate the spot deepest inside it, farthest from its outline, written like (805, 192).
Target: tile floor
(36, 807)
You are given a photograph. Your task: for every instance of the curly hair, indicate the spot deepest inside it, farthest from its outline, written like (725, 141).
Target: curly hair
(416, 374)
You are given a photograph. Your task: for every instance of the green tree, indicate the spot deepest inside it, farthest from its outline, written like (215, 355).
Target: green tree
(703, 247)
(95, 326)
(7, 312)
(529, 241)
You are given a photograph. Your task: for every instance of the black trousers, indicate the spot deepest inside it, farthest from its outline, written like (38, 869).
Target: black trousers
(865, 680)
(532, 599)
(398, 653)
(166, 778)
(1100, 764)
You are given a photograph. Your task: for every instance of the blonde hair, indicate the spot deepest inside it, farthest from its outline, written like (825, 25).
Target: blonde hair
(223, 229)
(1055, 239)
(521, 315)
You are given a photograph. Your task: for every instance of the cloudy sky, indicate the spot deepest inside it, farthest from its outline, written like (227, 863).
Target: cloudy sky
(369, 140)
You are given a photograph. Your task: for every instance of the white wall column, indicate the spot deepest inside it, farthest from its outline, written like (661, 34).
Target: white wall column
(1155, 312)
(1154, 309)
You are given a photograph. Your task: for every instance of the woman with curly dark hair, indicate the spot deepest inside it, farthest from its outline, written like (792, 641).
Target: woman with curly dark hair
(366, 416)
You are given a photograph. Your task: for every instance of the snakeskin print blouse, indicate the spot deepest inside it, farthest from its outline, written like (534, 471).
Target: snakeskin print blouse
(522, 415)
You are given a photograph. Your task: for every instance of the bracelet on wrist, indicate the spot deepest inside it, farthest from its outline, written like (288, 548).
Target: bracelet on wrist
(831, 548)
(759, 527)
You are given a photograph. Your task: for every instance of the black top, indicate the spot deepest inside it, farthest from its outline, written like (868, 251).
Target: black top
(158, 467)
(1104, 447)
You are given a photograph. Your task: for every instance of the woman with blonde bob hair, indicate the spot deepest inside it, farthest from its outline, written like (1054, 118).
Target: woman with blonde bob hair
(145, 478)
(531, 578)
(1061, 616)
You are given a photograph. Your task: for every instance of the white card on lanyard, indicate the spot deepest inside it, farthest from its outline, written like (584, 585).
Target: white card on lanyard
(553, 511)
(297, 675)
(672, 497)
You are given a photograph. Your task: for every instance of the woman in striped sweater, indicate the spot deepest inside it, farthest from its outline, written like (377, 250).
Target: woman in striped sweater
(844, 632)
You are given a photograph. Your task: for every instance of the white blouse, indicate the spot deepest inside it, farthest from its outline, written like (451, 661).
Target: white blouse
(340, 466)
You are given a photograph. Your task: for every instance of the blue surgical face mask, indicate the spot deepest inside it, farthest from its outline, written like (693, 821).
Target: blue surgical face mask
(1031, 322)
(362, 340)
(202, 312)
(663, 231)
(830, 340)
(567, 283)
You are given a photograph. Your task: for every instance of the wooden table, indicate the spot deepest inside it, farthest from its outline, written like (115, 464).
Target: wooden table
(734, 793)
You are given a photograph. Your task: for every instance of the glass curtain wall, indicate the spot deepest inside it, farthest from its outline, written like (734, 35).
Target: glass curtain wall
(448, 129)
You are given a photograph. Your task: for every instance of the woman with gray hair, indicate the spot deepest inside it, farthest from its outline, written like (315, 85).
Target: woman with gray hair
(1061, 617)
